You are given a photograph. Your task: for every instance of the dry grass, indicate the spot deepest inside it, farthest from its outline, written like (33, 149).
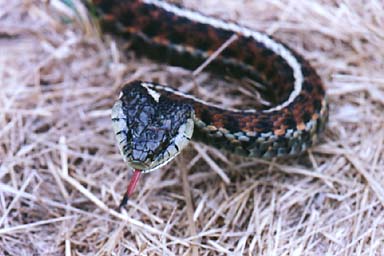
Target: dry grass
(62, 176)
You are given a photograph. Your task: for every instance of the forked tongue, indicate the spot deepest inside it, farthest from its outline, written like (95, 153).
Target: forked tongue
(131, 187)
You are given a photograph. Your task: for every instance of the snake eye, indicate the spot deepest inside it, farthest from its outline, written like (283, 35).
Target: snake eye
(150, 129)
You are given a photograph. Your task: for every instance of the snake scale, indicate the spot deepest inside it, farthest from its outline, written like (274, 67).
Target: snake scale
(154, 122)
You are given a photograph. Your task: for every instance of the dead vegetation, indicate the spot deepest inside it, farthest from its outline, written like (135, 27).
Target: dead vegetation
(61, 176)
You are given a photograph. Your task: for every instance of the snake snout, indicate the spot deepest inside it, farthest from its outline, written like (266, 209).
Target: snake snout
(140, 165)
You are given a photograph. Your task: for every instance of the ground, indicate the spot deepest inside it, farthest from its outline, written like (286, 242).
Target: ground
(61, 175)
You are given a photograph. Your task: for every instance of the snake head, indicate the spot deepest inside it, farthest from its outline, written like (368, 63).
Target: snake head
(150, 128)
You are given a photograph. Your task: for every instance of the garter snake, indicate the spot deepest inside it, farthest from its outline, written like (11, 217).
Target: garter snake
(154, 122)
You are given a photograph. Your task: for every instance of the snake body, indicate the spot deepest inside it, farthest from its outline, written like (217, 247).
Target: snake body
(154, 122)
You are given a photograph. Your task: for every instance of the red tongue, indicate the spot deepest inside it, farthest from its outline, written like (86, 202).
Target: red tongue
(131, 187)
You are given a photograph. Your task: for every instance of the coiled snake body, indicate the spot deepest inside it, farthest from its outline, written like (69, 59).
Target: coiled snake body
(153, 122)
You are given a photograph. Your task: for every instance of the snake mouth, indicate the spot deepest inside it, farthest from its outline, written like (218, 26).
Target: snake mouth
(138, 165)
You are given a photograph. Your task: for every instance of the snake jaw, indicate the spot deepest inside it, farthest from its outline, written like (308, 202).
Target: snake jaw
(177, 145)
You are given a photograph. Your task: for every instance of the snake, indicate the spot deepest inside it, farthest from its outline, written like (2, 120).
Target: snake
(154, 122)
